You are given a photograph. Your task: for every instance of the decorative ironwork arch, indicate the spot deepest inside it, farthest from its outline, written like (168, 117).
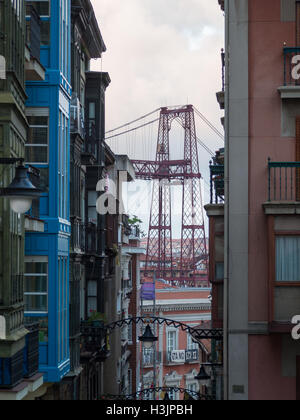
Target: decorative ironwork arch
(193, 395)
(197, 333)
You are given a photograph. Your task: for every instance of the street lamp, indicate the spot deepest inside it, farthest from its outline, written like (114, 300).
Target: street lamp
(148, 338)
(202, 375)
(21, 191)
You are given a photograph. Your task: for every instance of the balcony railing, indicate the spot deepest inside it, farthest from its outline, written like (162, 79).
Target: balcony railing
(216, 183)
(126, 224)
(24, 363)
(11, 370)
(148, 358)
(76, 118)
(93, 336)
(291, 59)
(91, 238)
(283, 181)
(31, 350)
(135, 232)
(91, 144)
(78, 235)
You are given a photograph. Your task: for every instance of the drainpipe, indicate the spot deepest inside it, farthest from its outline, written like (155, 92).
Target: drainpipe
(226, 204)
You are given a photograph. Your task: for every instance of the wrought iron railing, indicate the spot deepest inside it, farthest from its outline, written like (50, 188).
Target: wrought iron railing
(31, 350)
(11, 370)
(78, 235)
(149, 357)
(291, 59)
(17, 283)
(135, 232)
(91, 144)
(216, 183)
(93, 335)
(127, 227)
(283, 181)
(91, 238)
(76, 117)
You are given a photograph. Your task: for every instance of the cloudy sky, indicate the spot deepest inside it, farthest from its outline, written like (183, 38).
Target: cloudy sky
(162, 53)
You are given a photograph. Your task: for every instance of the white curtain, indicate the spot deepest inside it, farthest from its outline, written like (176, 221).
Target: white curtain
(288, 259)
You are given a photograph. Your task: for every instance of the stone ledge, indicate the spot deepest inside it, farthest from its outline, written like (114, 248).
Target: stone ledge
(214, 210)
(289, 92)
(281, 207)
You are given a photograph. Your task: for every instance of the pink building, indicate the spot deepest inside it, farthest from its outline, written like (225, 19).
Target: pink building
(178, 357)
(256, 279)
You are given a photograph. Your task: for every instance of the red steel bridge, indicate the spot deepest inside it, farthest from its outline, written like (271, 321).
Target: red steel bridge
(190, 269)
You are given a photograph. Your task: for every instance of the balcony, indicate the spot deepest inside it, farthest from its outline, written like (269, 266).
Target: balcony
(90, 149)
(148, 358)
(76, 118)
(221, 94)
(93, 336)
(78, 236)
(24, 364)
(291, 77)
(31, 351)
(283, 188)
(135, 233)
(91, 238)
(217, 178)
(126, 225)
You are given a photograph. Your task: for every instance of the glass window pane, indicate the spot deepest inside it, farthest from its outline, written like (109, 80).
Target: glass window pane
(288, 259)
(36, 267)
(36, 284)
(38, 135)
(42, 7)
(37, 120)
(36, 303)
(219, 271)
(36, 154)
(45, 32)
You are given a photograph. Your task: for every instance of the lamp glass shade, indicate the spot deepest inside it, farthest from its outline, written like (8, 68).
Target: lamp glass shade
(148, 338)
(20, 205)
(148, 344)
(21, 191)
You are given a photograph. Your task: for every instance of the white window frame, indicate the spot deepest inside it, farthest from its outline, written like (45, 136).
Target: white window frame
(39, 112)
(168, 331)
(37, 259)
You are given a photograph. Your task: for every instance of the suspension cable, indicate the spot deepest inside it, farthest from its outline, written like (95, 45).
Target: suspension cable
(132, 129)
(132, 122)
(210, 125)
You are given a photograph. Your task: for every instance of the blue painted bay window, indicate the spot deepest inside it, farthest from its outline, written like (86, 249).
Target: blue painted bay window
(48, 148)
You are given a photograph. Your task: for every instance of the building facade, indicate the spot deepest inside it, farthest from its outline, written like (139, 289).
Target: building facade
(47, 253)
(177, 358)
(19, 378)
(259, 281)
